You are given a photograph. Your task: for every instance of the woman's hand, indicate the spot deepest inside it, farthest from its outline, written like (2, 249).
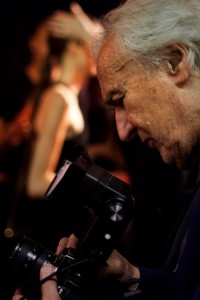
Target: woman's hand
(74, 24)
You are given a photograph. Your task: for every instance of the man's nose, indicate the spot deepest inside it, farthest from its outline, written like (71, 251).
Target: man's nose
(125, 128)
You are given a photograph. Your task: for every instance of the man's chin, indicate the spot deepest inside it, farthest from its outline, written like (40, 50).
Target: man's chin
(181, 164)
(169, 159)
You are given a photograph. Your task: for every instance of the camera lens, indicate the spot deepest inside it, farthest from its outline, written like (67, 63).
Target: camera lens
(25, 262)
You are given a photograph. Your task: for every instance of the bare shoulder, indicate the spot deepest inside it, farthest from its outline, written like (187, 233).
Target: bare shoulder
(57, 96)
(52, 108)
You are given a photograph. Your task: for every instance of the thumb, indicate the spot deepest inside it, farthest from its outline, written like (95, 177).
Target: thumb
(91, 26)
(49, 288)
(76, 9)
(83, 18)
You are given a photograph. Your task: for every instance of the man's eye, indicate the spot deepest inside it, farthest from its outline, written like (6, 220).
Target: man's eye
(118, 101)
(115, 101)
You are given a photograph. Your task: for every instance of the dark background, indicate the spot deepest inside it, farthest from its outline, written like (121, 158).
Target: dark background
(18, 19)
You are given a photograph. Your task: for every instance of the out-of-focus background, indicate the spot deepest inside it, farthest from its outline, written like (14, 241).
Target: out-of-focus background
(18, 19)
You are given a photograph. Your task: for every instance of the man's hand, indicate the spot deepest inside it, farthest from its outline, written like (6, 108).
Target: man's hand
(17, 295)
(67, 242)
(49, 288)
(118, 267)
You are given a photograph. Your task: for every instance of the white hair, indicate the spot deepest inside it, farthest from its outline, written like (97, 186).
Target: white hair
(145, 30)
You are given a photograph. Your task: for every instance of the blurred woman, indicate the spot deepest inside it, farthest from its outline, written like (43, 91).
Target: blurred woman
(57, 121)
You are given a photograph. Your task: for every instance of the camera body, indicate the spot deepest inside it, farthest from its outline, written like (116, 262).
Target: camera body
(99, 206)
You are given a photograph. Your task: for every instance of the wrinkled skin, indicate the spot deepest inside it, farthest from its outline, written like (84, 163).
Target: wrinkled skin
(161, 107)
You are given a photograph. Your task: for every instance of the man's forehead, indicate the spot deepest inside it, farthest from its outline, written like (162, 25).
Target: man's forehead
(110, 60)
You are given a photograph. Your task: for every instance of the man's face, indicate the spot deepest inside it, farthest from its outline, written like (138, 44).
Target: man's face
(152, 106)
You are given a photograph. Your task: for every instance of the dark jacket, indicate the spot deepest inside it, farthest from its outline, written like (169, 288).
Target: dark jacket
(182, 282)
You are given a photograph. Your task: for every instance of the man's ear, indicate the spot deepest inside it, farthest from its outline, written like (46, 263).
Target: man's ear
(178, 65)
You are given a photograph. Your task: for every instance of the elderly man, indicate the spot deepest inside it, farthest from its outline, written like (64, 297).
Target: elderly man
(148, 64)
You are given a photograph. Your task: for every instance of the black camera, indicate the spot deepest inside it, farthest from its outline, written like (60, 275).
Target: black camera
(100, 207)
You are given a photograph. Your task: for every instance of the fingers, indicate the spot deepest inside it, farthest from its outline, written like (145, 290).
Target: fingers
(67, 242)
(119, 267)
(87, 23)
(91, 26)
(76, 9)
(75, 24)
(63, 25)
(17, 295)
(49, 288)
(62, 245)
(72, 242)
